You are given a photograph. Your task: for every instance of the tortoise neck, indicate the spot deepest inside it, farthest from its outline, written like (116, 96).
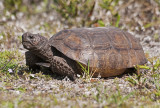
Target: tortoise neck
(44, 52)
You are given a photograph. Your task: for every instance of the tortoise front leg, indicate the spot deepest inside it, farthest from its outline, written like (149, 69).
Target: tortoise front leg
(63, 67)
(31, 60)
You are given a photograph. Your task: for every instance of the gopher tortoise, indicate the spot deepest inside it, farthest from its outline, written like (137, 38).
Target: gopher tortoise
(109, 51)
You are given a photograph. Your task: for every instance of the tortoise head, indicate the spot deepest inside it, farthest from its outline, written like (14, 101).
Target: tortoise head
(33, 41)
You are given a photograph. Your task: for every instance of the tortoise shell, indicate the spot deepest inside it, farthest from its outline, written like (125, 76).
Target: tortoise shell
(109, 50)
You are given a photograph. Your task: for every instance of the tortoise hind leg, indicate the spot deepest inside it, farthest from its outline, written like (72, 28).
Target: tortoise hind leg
(31, 61)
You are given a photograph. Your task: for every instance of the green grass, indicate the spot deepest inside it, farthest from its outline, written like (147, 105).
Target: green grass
(87, 74)
(8, 61)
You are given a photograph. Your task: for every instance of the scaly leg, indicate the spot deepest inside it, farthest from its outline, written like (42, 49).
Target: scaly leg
(31, 60)
(64, 67)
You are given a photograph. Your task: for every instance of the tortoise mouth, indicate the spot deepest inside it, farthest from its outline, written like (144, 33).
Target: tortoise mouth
(27, 45)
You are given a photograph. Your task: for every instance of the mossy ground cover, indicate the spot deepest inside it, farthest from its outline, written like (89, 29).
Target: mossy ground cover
(21, 87)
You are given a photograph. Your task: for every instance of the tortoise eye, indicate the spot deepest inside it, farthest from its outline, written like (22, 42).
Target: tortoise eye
(31, 37)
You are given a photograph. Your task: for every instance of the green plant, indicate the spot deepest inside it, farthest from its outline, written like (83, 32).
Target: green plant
(7, 104)
(14, 6)
(115, 99)
(100, 96)
(101, 23)
(9, 38)
(156, 37)
(87, 73)
(30, 7)
(8, 61)
(109, 5)
(66, 8)
(156, 83)
(158, 2)
(138, 81)
(71, 10)
(21, 89)
(119, 99)
(155, 65)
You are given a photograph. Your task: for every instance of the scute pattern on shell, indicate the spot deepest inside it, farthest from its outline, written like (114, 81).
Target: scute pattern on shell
(106, 48)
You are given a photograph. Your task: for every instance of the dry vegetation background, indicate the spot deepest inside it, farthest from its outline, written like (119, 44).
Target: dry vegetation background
(20, 87)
